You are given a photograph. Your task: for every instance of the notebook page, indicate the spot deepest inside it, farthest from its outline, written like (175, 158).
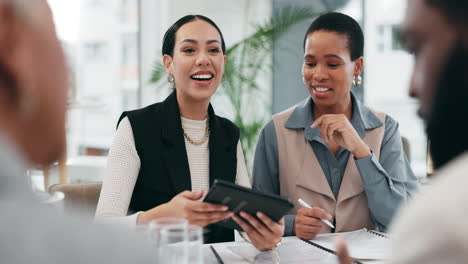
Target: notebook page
(361, 244)
(293, 251)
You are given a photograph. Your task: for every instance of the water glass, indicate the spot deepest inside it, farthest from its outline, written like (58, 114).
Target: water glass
(195, 244)
(155, 237)
(173, 245)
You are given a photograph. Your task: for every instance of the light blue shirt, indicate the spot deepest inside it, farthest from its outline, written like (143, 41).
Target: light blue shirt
(388, 180)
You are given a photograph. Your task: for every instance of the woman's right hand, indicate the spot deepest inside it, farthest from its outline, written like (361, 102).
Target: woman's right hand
(307, 223)
(186, 205)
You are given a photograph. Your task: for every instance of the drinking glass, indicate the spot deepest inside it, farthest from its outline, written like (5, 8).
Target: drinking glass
(173, 245)
(195, 244)
(174, 226)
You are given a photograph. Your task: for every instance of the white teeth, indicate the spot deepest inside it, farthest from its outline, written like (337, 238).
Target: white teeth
(202, 76)
(322, 89)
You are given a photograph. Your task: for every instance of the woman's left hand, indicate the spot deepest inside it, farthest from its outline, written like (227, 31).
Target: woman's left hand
(337, 127)
(264, 234)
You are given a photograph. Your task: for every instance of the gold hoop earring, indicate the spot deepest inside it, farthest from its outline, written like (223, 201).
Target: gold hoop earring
(170, 78)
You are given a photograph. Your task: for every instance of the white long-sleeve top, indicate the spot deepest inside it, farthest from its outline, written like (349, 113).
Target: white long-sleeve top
(123, 166)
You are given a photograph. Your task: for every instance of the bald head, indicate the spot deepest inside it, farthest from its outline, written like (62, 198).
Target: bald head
(33, 80)
(29, 11)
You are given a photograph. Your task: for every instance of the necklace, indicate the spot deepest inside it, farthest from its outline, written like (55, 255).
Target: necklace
(203, 139)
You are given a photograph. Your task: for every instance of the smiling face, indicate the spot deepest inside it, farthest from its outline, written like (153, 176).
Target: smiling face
(198, 61)
(328, 70)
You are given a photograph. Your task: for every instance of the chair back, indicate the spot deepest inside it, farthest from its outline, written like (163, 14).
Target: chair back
(406, 147)
(79, 197)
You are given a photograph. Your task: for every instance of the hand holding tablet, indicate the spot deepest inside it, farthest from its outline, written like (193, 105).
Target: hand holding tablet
(239, 198)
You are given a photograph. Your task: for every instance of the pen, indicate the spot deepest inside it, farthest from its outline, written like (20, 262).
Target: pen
(220, 260)
(304, 204)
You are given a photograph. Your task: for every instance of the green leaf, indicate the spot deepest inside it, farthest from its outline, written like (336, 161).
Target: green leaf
(158, 73)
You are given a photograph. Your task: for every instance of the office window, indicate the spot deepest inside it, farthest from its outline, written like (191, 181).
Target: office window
(95, 51)
(387, 71)
(396, 43)
(387, 38)
(94, 3)
(101, 45)
(381, 38)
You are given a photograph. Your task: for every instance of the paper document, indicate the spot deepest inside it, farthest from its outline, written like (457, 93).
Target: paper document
(362, 244)
(293, 251)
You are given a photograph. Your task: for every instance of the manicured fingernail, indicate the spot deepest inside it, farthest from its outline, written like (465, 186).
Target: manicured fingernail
(259, 214)
(225, 208)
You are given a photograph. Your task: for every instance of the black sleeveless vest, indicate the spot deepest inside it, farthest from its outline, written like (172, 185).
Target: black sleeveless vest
(164, 170)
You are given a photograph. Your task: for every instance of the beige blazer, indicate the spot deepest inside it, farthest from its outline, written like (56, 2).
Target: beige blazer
(301, 176)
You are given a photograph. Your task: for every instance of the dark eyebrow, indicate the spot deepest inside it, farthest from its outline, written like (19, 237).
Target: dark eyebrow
(308, 56)
(196, 42)
(190, 41)
(213, 41)
(333, 56)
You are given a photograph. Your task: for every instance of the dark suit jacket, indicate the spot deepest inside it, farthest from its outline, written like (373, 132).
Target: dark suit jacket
(164, 170)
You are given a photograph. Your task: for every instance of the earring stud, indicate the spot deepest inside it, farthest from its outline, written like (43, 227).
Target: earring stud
(357, 80)
(170, 78)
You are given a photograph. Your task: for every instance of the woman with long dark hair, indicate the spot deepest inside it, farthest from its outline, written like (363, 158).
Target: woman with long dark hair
(166, 156)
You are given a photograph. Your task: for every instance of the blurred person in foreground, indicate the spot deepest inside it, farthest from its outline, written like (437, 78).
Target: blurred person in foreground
(432, 228)
(33, 89)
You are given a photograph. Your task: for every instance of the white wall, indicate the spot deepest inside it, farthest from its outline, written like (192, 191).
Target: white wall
(234, 18)
(387, 76)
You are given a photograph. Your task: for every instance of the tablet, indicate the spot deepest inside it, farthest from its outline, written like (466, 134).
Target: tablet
(239, 198)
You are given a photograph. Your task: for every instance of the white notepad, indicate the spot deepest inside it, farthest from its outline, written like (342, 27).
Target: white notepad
(362, 245)
(291, 251)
